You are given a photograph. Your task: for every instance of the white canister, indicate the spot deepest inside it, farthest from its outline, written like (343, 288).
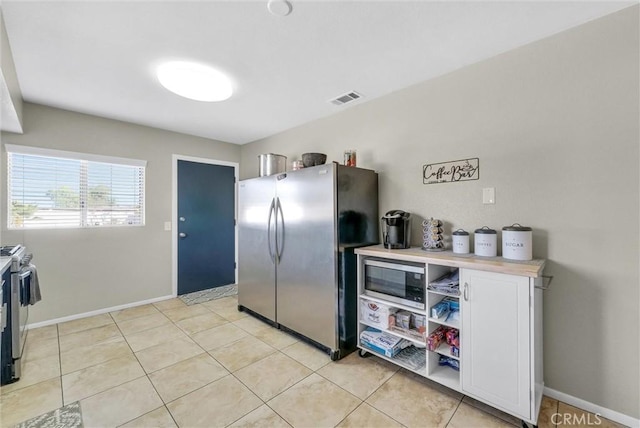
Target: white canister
(517, 242)
(460, 242)
(486, 242)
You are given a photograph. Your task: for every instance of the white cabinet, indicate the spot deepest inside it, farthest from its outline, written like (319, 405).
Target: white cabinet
(496, 341)
(499, 359)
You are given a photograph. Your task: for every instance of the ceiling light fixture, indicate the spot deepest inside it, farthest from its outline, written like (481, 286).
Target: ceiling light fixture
(279, 7)
(194, 81)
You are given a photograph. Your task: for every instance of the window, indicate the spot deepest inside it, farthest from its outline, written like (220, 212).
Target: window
(58, 189)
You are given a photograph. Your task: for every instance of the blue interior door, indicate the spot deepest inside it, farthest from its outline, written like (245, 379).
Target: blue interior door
(206, 226)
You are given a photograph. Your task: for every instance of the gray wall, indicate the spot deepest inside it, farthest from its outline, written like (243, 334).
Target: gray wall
(555, 125)
(83, 270)
(11, 106)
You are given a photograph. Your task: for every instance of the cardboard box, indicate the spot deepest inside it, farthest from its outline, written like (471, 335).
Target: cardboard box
(454, 304)
(440, 310)
(382, 342)
(403, 319)
(419, 322)
(376, 314)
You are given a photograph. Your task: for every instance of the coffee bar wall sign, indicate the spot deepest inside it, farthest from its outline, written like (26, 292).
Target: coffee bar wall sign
(451, 172)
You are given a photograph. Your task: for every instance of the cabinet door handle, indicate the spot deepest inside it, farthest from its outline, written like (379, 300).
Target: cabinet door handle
(466, 291)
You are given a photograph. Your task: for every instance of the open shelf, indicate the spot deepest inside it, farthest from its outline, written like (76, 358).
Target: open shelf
(446, 376)
(491, 283)
(427, 360)
(395, 333)
(412, 334)
(455, 324)
(393, 304)
(445, 349)
(422, 371)
(440, 293)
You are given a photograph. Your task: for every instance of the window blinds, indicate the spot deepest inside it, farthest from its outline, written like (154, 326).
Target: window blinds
(55, 189)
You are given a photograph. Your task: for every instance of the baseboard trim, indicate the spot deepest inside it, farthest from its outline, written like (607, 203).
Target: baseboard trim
(593, 408)
(98, 312)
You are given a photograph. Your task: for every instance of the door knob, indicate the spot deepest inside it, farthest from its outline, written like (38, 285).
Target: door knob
(182, 219)
(182, 235)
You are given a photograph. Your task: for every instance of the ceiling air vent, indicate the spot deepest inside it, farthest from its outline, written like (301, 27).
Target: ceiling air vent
(346, 98)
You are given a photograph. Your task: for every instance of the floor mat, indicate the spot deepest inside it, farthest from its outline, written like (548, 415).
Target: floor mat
(68, 416)
(210, 294)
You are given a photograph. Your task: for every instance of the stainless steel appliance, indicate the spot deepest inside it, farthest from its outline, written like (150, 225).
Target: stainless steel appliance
(396, 229)
(270, 164)
(400, 282)
(297, 234)
(16, 296)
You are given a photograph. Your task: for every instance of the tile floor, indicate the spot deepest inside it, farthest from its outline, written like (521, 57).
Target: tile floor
(208, 365)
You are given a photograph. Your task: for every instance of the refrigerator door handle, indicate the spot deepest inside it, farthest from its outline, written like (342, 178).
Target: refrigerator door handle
(280, 240)
(272, 210)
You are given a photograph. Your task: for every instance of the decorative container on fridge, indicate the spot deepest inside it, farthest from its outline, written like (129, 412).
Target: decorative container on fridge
(517, 242)
(486, 242)
(460, 241)
(270, 164)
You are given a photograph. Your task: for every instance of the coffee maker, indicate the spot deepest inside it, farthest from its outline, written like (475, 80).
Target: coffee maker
(396, 229)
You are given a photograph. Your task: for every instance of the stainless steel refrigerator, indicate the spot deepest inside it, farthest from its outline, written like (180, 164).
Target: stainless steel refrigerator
(297, 233)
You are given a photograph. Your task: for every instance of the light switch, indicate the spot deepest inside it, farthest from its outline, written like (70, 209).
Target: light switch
(167, 226)
(489, 195)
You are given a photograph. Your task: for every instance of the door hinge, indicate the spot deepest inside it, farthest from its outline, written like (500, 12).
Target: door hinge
(235, 265)
(235, 222)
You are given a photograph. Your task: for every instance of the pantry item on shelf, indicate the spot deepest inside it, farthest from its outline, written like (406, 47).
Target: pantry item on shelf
(517, 242)
(412, 357)
(313, 159)
(436, 338)
(454, 304)
(455, 351)
(382, 342)
(454, 309)
(418, 322)
(451, 335)
(460, 241)
(453, 317)
(409, 323)
(449, 283)
(350, 157)
(455, 341)
(417, 334)
(486, 242)
(377, 314)
(440, 310)
(448, 361)
(432, 235)
(403, 319)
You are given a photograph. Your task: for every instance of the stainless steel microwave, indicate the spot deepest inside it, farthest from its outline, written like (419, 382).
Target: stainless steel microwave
(400, 282)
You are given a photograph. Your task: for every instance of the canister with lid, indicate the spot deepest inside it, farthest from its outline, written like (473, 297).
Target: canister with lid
(486, 242)
(517, 242)
(270, 164)
(460, 241)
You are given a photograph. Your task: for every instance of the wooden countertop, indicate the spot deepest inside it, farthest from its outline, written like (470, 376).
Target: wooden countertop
(530, 268)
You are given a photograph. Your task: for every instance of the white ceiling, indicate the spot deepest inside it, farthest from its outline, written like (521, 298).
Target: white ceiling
(97, 57)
